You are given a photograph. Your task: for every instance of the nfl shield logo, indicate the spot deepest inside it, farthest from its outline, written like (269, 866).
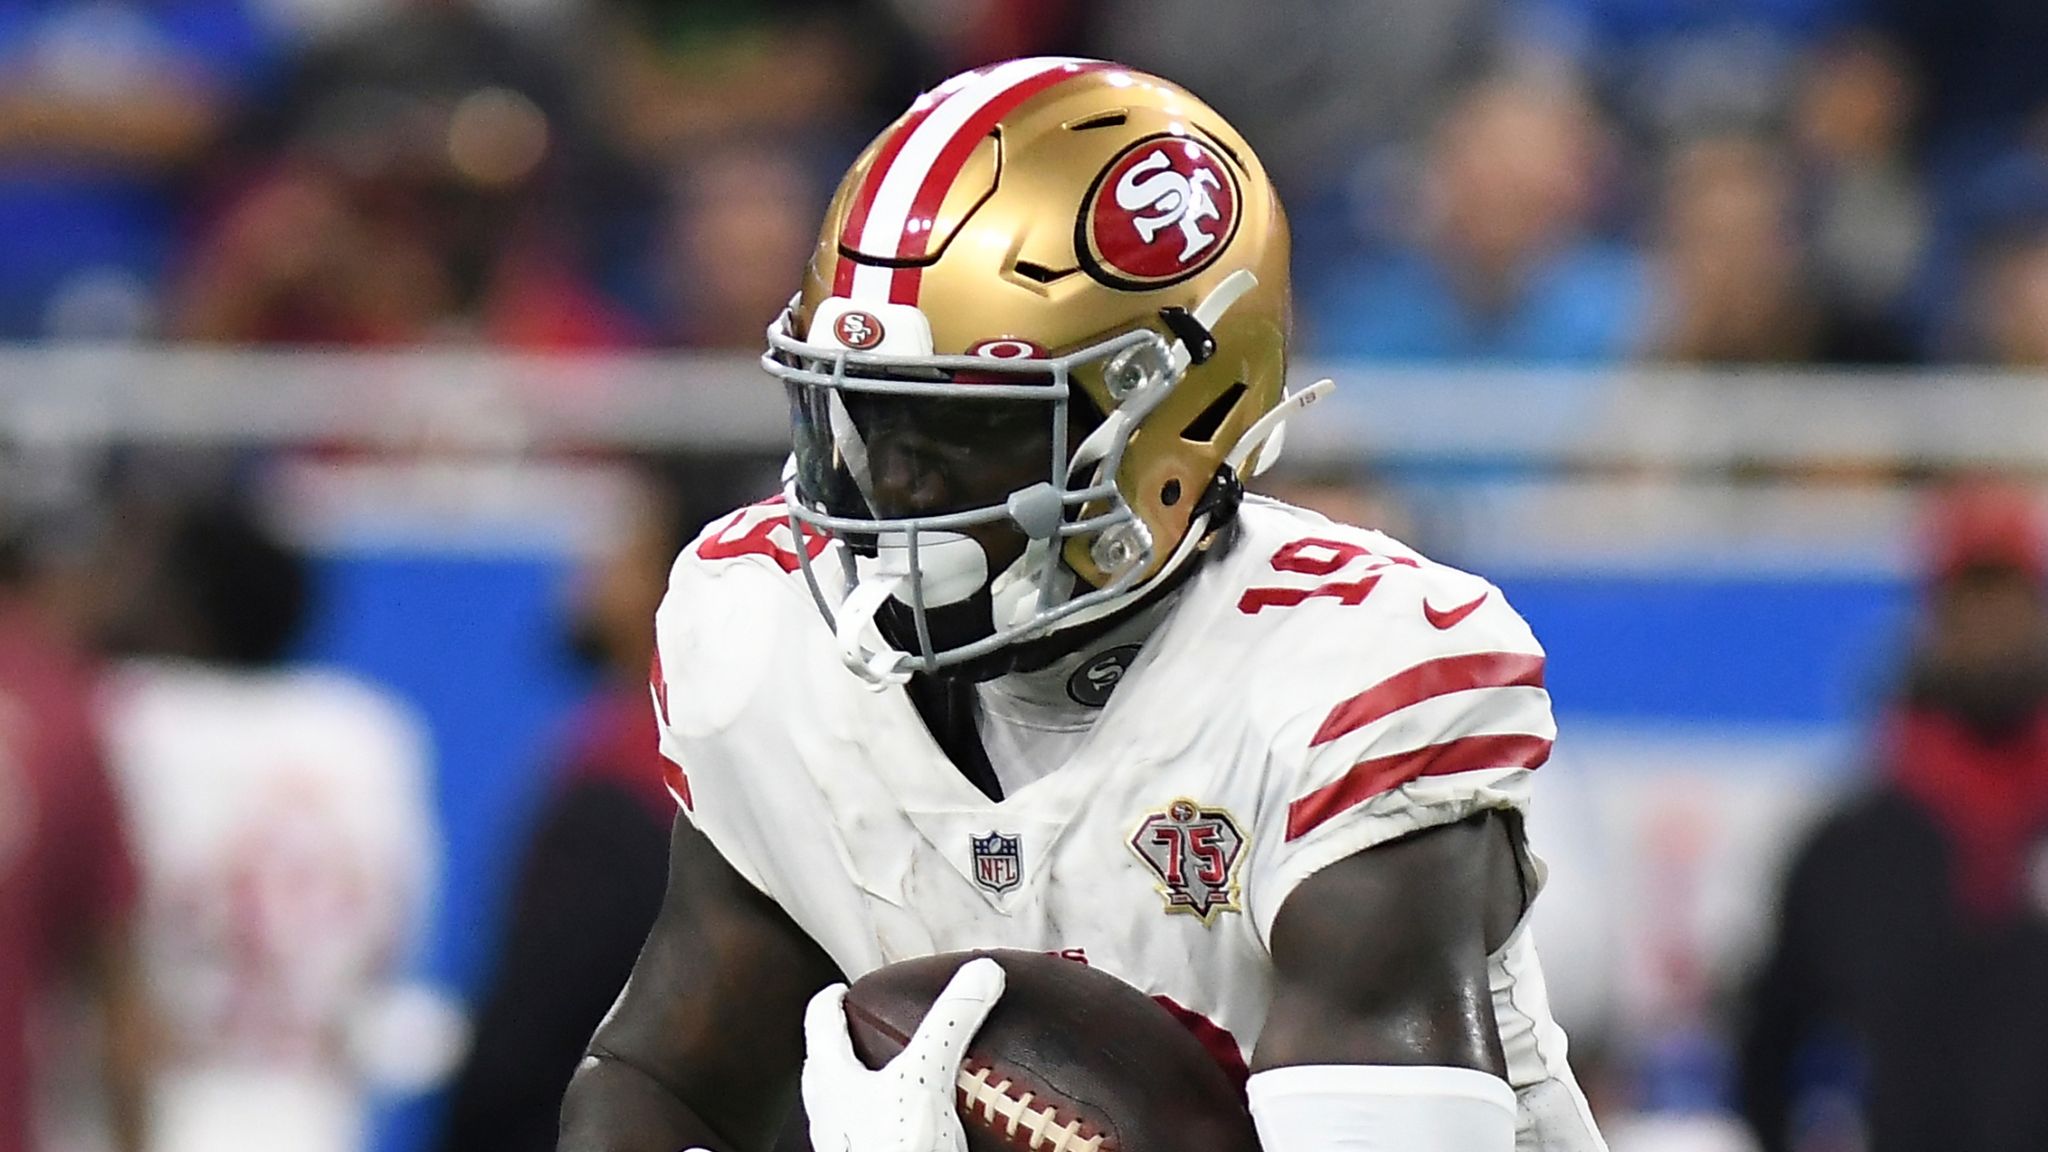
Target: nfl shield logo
(998, 861)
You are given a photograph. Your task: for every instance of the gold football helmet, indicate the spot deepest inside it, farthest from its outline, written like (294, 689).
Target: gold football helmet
(1044, 329)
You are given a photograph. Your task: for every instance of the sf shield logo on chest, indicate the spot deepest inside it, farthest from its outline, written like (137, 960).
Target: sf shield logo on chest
(1164, 209)
(998, 861)
(1194, 852)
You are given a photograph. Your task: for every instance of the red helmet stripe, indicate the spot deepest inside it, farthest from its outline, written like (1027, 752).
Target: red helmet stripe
(945, 167)
(904, 188)
(905, 284)
(864, 197)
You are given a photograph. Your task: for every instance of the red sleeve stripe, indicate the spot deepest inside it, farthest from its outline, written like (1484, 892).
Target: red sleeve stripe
(1223, 1047)
(1370, 778)
(659, 683)
(678, 783)
(1427, 681)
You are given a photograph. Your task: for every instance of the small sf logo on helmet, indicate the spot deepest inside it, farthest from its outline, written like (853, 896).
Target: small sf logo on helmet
(1164, 209)
(859, 331)
(1193, 851)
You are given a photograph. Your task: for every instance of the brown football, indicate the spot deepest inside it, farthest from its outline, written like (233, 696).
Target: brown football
(1071, 1059)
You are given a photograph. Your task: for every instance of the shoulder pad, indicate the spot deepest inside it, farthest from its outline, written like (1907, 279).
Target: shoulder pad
(762, 533)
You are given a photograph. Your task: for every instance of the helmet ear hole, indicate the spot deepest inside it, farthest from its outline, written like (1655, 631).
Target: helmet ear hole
(1203, 428)
(1169, 494)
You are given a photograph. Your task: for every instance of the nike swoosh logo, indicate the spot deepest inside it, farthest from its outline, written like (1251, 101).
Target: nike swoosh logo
(1449, 618)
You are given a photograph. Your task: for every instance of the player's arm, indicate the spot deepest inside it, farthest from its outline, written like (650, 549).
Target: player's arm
(703, 1046)
(1382, 1018)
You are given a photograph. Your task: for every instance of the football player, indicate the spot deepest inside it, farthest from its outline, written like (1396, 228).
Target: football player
(1014, 662)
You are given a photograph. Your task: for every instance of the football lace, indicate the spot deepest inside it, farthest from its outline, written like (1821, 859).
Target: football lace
(1014, 1112)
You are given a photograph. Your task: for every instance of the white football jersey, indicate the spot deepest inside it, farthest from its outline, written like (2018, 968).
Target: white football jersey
(1313, 691)
(285, 828)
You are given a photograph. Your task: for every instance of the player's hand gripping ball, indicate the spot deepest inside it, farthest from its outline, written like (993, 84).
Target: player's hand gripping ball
(1041, 1054)
(906, 1103)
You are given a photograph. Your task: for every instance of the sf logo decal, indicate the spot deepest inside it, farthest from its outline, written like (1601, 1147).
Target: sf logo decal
(858, 330)
(1159, 197)
(1161, 211)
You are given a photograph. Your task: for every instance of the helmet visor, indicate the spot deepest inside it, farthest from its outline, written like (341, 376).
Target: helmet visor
(881, 455)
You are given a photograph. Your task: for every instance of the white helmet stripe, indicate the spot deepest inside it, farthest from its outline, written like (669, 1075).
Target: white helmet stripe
(915, 173)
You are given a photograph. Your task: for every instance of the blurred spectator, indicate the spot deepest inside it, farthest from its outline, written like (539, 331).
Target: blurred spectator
(1851, 122)
(2009, 302)
(741, 112)
(104, 107)
(1731, 276)
(597, 863)
(2001, 314)
(1342, 495)
(1982, 121)
(1334, 80)
(743, 223)
(1504, 268)
(1913, 932)
(288, 851)
(1979, 65)
(67, 879)
(956, 35)
(430, 175)
(684, 74)
(1676, 68)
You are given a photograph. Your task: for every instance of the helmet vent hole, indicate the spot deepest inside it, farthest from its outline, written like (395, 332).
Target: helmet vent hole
(1170, 494)
(1203, 428)
(1108, 119)
(1042, 274)
(1219, 141)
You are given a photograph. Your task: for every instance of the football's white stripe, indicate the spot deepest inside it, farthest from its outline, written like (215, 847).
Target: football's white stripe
(890, 210)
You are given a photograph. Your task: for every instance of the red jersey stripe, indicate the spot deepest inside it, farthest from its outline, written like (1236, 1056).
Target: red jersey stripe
(678, 783)
(1223, 1047)
(660, 685)
(1427, 681)
(1369, 778)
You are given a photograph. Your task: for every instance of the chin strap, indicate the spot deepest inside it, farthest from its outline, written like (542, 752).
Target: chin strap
(1270, 426)
(878, 670)
(1207, 313)
(1137, 405)
(949, 567)
(1208, 516)
(1015, 592)
(1262, 432)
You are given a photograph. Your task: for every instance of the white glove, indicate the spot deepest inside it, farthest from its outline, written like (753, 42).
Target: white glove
(908, 1105)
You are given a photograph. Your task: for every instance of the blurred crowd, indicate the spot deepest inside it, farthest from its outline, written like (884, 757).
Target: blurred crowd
(223, 860)
(1528, 181)
(221, 864)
